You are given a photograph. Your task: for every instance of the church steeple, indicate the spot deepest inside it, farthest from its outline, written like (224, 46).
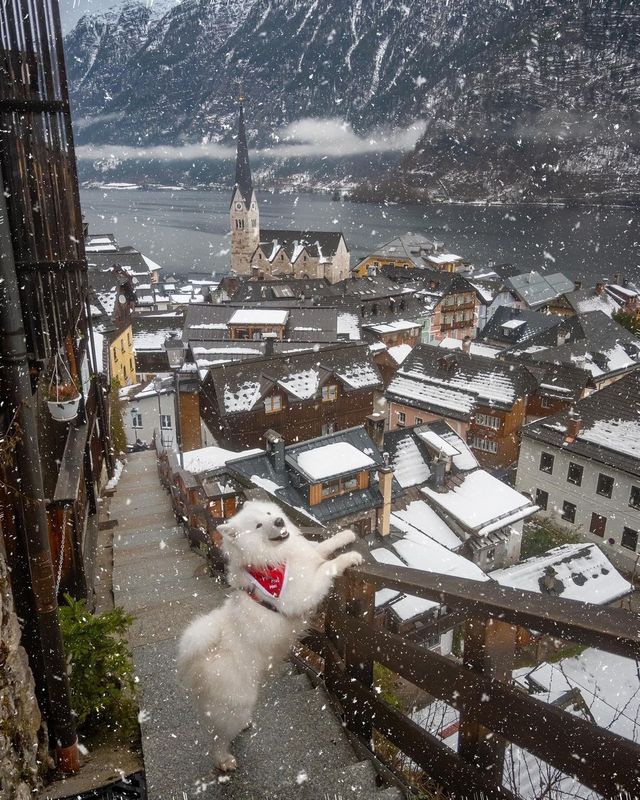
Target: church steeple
(244, 212)
(243, 168)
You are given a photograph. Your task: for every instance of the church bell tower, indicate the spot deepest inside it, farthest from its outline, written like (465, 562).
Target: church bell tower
(244, 213)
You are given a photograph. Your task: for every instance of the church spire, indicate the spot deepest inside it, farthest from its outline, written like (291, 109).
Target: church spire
(243, 168)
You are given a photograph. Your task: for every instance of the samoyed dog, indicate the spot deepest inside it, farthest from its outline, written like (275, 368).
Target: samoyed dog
(278, 579)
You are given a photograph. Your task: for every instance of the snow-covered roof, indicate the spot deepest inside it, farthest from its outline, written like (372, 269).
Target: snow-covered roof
(482, 503)
(209, 458)
(580, 572)
(153, 267)
(394, 326)
(622, 435)
(409, 465)
(406, 387)
(302, 385)
(438, 443)
(418, 519)
(399, 352)
(512, 324)
(332, 459)
(477, 348)
(358, 376)
(443, 258)
(349, 324)
(243, 398)
(259, 316)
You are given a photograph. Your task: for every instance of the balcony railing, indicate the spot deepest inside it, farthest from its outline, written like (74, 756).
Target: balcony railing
(491, 711)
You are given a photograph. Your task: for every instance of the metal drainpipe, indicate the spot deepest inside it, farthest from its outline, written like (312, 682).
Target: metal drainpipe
(97, 387)
(13, 351)
(178, 422)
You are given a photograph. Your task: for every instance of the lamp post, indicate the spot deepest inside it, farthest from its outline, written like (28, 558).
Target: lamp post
(176, 351)
(157, 385)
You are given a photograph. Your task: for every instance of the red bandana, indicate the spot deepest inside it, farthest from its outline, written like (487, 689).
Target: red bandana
(268, 582)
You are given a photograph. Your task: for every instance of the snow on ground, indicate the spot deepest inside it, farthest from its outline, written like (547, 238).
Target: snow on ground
(117, 472)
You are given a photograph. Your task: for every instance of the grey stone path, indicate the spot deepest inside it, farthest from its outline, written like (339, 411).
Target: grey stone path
(296, 749)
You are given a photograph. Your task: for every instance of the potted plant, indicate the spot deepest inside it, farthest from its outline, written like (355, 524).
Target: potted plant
(63, 397)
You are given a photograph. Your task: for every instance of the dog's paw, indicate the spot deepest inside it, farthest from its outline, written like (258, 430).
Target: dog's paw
(347, 536)
(227, 763)
(349, 560)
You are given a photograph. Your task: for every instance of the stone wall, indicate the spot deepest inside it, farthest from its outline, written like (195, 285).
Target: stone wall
(22, 737)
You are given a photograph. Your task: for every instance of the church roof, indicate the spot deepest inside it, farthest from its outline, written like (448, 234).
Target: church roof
(243, 169)
(319, 244)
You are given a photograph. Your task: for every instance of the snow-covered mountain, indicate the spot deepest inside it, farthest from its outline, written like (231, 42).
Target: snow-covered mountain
(516, 95)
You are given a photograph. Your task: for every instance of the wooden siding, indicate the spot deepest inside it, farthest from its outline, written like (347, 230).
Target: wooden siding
(297, 421)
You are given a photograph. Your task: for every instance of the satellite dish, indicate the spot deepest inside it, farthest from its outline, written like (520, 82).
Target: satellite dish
(122, 299)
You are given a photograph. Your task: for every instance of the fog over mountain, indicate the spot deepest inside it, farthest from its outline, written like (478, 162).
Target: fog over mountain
(509, 99)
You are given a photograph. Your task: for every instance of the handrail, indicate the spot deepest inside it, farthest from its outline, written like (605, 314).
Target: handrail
(614, 630)
(491, 711)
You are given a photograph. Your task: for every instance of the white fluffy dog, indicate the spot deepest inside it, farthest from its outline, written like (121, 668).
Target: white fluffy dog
(279, 578)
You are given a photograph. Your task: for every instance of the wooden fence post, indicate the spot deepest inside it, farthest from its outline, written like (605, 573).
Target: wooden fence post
(488, 650)
(360, 603)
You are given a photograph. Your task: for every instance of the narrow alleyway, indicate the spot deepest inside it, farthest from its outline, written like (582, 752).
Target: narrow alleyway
(296, 748)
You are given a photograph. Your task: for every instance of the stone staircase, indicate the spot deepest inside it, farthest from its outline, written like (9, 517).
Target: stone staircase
(296, 749)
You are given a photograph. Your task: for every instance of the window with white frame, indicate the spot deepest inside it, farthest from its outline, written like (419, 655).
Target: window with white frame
(487, 421)
(165, 421)
(273, 404)
(402, 418)
(329, 393)
(136, 419)
(485, 445)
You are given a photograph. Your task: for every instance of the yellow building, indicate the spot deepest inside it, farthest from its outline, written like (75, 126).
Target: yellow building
(408, 251)
(122, 357)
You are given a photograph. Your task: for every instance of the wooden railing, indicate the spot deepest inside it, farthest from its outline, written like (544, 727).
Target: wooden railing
(491, 711)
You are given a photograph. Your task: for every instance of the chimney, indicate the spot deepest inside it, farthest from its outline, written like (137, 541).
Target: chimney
(599, 288)
(577, 285)
(385, 479)
(275, 449)
(466, 344)
(375, 427)
(574, 426)
(438, 470)
(268, 339)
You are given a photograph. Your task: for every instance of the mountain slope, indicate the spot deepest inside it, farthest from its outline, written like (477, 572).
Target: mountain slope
(520, 98)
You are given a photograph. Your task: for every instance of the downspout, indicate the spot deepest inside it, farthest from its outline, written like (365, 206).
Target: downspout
(35, 532)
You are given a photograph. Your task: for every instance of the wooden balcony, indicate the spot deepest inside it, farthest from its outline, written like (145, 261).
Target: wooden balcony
(492, 712)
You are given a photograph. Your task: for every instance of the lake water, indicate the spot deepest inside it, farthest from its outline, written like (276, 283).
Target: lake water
(189, 231)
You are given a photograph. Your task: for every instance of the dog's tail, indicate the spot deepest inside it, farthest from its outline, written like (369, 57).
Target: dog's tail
(199, 638)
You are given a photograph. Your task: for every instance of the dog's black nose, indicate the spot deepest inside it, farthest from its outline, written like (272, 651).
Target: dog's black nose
(278, 522)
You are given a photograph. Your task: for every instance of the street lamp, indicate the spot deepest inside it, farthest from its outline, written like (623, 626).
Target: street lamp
(157, 385)
(176, 351)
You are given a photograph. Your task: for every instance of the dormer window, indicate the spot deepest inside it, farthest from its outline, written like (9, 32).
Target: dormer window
(329, 393)
(273, 404)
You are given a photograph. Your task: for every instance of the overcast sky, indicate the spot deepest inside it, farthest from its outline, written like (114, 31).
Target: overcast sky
(72, 10)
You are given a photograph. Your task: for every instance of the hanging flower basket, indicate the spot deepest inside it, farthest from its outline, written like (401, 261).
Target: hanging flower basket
(63, 396)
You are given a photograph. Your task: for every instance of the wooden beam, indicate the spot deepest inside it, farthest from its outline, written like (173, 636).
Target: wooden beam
(612, 629)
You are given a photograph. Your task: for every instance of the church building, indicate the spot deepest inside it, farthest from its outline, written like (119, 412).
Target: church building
(276, 254)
